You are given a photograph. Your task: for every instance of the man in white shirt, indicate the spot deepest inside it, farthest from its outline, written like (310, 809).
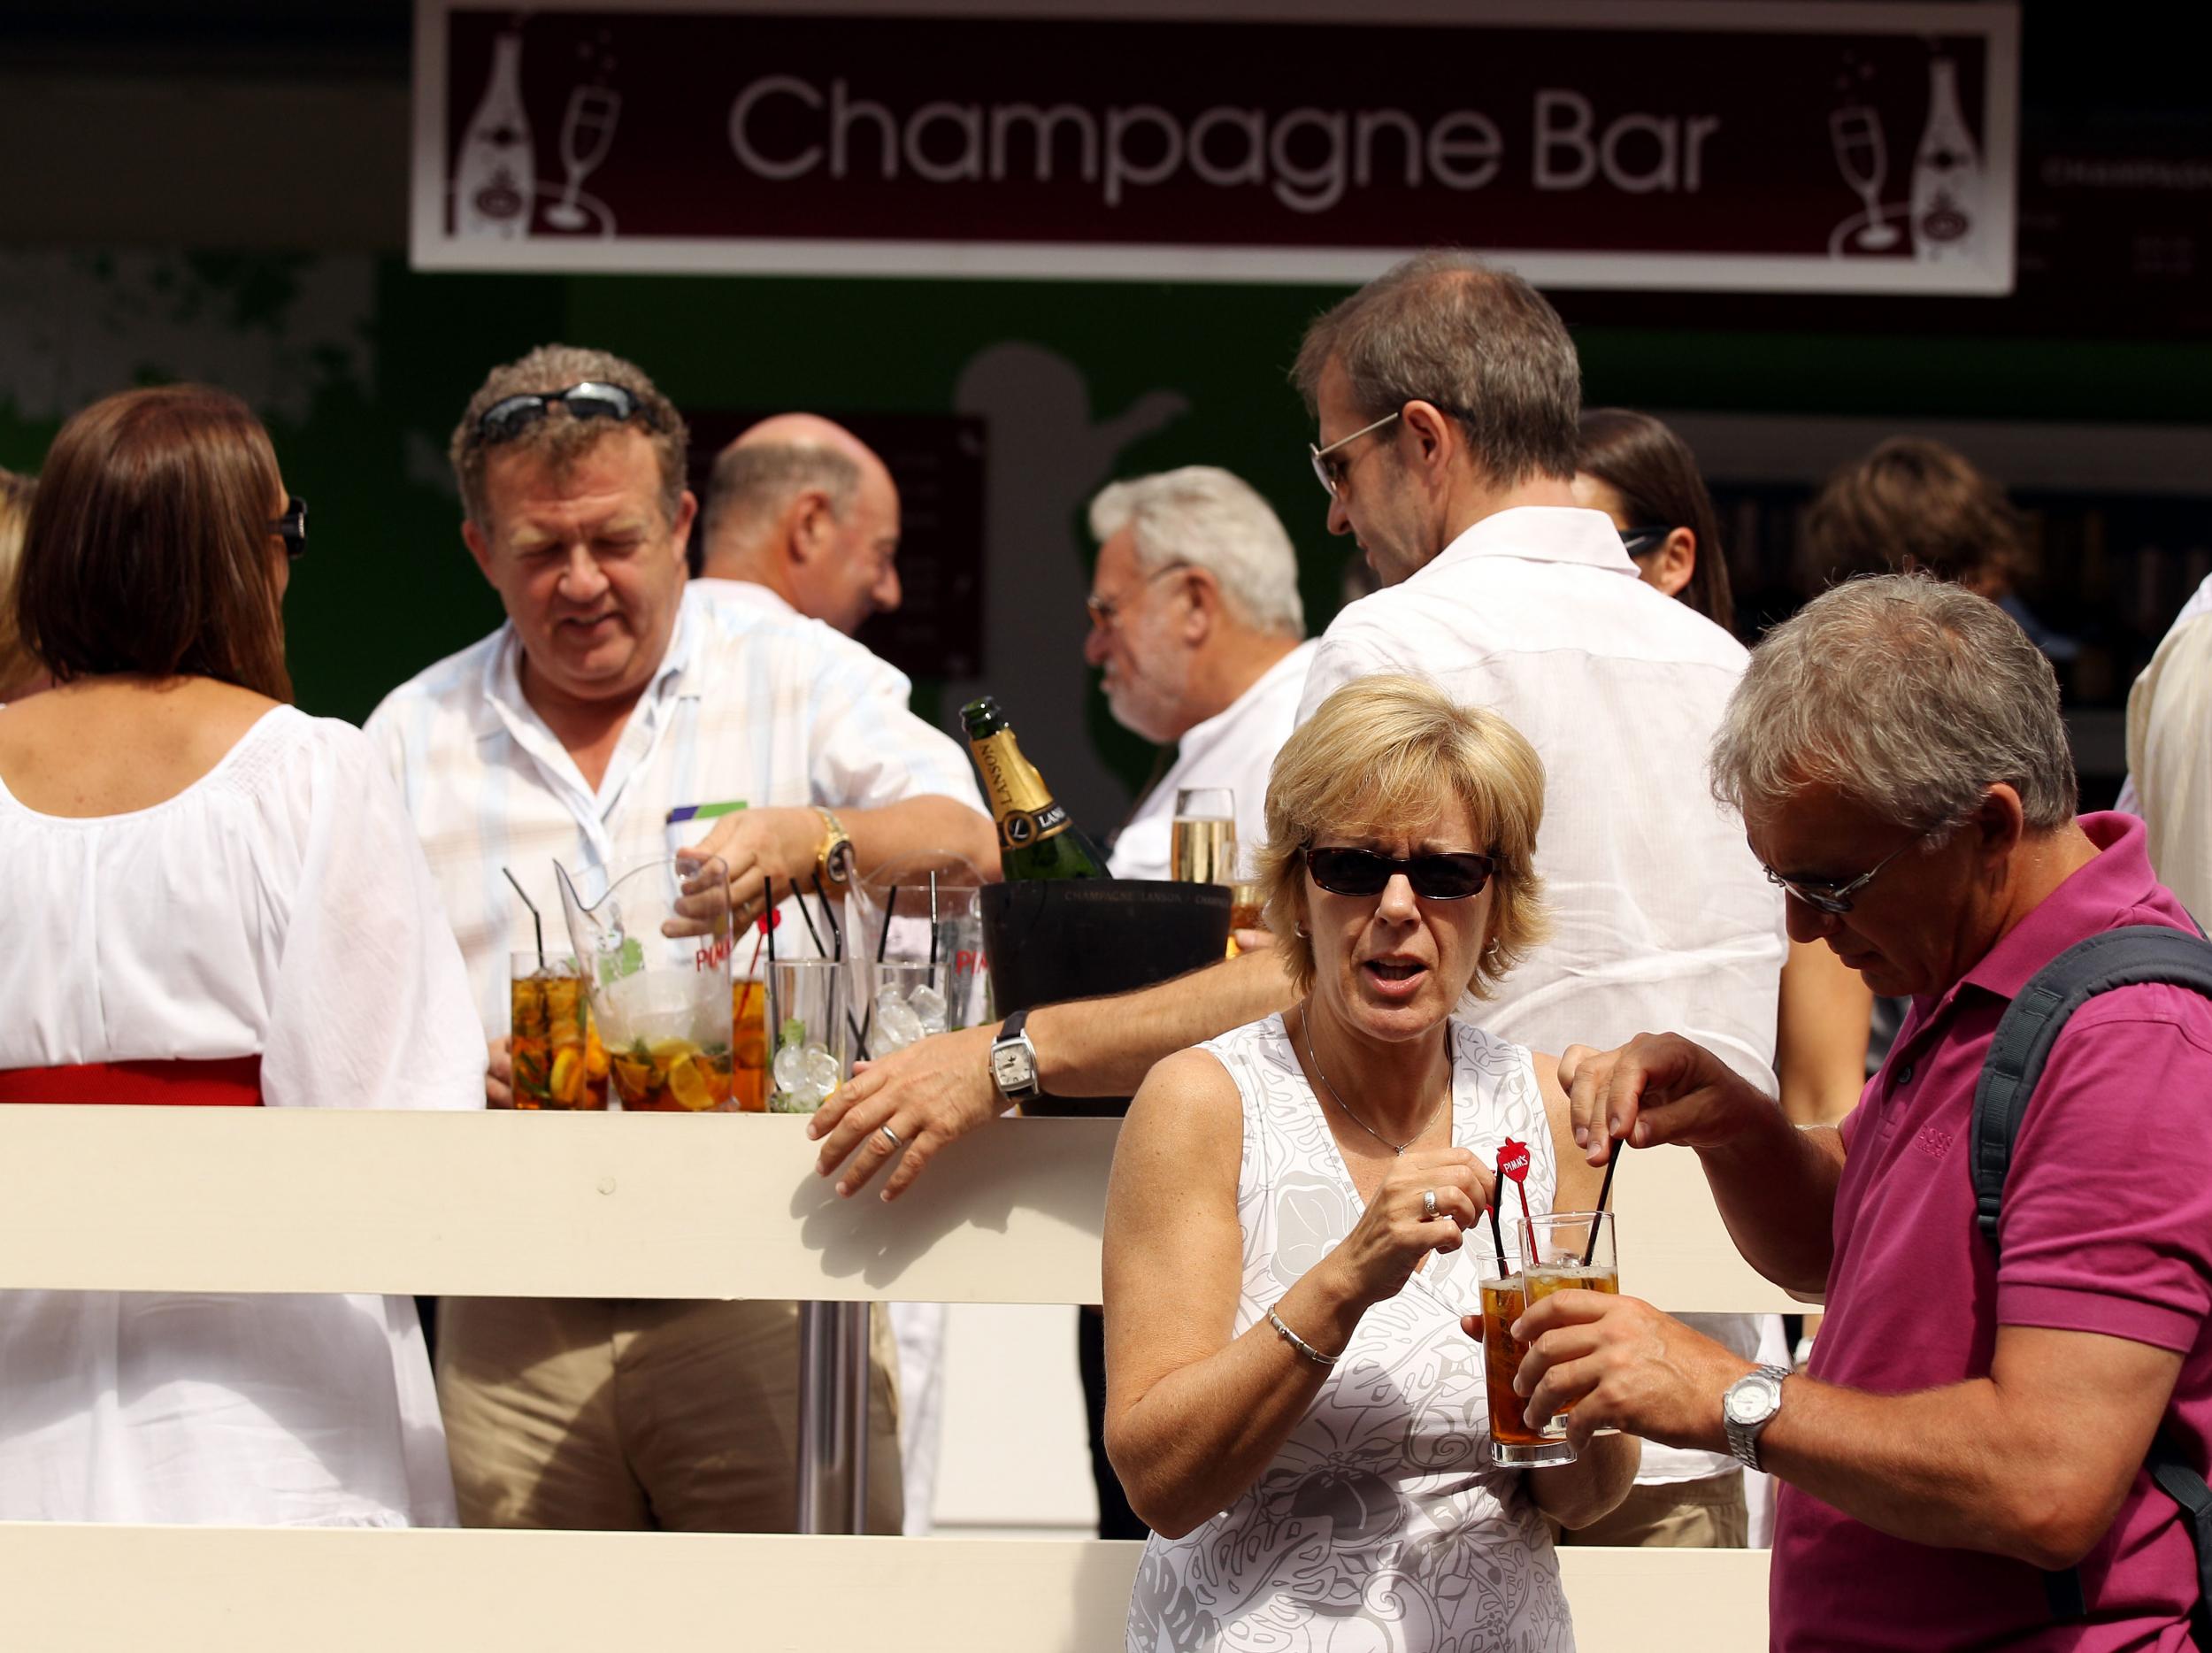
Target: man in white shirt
(1196, 623)
(1447, 396)
(609, 697)
(802, 518)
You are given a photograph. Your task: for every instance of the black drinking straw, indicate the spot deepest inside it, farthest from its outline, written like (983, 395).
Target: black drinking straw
(1612, 1164)
(829, 916)
(1497, 1234)
(799, 900)
(883, 937)
(768, 919)
(933, 918)
(534, 918)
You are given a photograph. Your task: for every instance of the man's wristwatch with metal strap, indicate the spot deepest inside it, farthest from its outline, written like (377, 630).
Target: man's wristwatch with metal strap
(833, 861)
(1748, 1407)
(1014, 1060)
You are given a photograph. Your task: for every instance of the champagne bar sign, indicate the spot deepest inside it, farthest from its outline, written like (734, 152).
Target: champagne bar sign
(1602, 143)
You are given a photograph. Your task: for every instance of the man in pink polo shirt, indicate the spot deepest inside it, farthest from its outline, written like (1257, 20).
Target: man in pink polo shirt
(1970, 1416)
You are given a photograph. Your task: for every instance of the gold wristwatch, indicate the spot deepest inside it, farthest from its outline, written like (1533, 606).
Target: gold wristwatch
(833, 861)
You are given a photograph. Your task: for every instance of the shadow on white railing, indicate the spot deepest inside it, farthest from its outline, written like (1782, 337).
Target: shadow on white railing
(613, 1205)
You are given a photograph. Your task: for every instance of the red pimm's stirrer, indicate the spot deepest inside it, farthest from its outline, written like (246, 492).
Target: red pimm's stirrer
(1513, 1162)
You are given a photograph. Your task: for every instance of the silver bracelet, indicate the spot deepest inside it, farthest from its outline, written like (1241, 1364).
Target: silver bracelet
(1298, 1342)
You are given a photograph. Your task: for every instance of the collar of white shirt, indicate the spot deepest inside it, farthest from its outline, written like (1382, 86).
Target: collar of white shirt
(751, 593)
(1540, 533)
(505, 709)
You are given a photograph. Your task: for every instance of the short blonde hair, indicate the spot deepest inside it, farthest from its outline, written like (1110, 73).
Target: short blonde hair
(1385, 751)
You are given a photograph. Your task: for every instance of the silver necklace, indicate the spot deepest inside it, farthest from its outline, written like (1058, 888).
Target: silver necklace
(1395, 1148)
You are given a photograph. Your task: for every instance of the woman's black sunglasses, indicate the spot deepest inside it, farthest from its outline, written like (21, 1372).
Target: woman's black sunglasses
(291, 527)
(1450, 877)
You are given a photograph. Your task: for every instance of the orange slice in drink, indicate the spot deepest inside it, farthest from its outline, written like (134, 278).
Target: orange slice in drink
(568, 1076)
(691, 1083)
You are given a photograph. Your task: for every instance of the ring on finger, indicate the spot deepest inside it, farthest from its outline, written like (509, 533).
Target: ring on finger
(890, 1136)
(1428, 1204)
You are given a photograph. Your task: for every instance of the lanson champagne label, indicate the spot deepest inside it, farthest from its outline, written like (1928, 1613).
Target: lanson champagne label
(1025, 812)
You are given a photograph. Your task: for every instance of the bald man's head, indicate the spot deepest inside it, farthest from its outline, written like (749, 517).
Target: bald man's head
(804, 507)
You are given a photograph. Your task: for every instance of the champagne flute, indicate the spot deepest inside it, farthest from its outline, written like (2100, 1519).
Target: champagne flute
(1856, 134)
(586, 132)
(1202, 840)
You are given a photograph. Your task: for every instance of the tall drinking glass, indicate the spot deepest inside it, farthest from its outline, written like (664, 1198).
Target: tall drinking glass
(559, 1061)
(1571, 1251)
(749, 1049)
(1202, 838)
(806, 1016)
(1505, 1298)
(906, 1000)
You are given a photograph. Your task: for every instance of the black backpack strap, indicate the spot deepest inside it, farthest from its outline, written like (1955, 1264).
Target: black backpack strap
(2186, 1489)
(2132, 956)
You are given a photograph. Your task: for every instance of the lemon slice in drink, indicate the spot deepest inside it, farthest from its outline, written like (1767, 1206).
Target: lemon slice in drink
(688, 1084)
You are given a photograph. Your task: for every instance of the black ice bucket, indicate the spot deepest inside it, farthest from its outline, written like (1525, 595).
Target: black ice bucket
(1076, 938)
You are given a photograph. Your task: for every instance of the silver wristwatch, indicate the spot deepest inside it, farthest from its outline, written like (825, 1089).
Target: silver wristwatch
(1014, 1060)
(1748, 1407)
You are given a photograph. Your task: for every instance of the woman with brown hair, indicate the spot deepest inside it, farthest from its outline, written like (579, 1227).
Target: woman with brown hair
(19, 674)
(1638, 471)
(213, 899)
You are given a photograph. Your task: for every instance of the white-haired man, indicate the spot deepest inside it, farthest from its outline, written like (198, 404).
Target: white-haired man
(1965, 1462)
(1196, 624)
(802, 517)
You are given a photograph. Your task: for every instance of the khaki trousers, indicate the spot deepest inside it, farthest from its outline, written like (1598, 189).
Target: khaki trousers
(1707, 1514)
(623, 1415)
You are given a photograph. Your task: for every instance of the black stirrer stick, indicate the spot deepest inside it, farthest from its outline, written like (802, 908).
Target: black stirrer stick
(1497, 1234)
(1612, 1164)
(883, 937)
(799, 900)
(829, 916)
(536, 921)
(933, 918)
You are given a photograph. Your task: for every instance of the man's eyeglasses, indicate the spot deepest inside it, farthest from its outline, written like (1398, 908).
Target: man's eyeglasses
(1835, 900)
(1103, 609)
(291, 527)
(1638, 541)
(1332, 471)
(1451, 876)
(509, 418)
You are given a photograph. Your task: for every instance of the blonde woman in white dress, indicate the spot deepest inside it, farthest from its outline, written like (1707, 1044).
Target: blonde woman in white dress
(1297, 1222)
(213, 900)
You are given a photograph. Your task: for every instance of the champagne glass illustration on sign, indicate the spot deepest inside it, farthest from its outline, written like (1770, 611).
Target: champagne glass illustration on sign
(1856, 132)
(586, 131)
(494, 178)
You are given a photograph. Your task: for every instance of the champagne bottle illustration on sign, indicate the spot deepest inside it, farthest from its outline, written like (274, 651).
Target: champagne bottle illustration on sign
(1947, 175)
(494, 181)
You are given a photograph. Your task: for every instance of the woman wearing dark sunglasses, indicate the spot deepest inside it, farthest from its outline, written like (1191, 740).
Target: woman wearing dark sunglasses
(1292, 1403)
(212, 900)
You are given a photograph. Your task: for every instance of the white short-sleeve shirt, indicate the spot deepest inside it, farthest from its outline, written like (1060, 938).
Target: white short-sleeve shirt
(279, 906)
(1235, 748)
(746, 707)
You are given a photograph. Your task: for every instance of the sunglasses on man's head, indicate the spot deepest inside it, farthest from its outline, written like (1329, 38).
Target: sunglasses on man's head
(1451, 876)
(509, 418)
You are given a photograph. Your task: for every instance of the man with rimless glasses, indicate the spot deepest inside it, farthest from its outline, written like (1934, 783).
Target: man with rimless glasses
(610, 697)
(1968, 1460)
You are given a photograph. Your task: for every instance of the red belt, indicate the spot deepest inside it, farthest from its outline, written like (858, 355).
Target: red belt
(231, 1082)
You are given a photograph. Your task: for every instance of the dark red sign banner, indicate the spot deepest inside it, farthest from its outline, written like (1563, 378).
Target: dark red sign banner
(1772, 145)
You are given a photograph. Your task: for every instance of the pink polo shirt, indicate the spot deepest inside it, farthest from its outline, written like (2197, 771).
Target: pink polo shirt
(2107, 1228)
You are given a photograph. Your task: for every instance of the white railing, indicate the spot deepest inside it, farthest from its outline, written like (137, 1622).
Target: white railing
(614, 1206)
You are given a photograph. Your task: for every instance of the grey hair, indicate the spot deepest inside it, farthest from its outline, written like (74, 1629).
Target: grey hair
(1480, 344)
(1204, 516)
(1904, 694)
(751, 483)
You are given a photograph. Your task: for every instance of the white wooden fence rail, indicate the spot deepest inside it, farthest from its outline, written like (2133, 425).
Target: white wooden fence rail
(144, 1199)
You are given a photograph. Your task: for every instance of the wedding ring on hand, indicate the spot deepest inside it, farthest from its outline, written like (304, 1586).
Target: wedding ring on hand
(1428, 1204)
(891, 1136)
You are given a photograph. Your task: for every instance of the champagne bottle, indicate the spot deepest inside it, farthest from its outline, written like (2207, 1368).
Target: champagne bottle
(1035, 837)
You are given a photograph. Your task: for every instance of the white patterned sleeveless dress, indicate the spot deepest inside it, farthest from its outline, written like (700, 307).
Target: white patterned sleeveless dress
(1381, 1527)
